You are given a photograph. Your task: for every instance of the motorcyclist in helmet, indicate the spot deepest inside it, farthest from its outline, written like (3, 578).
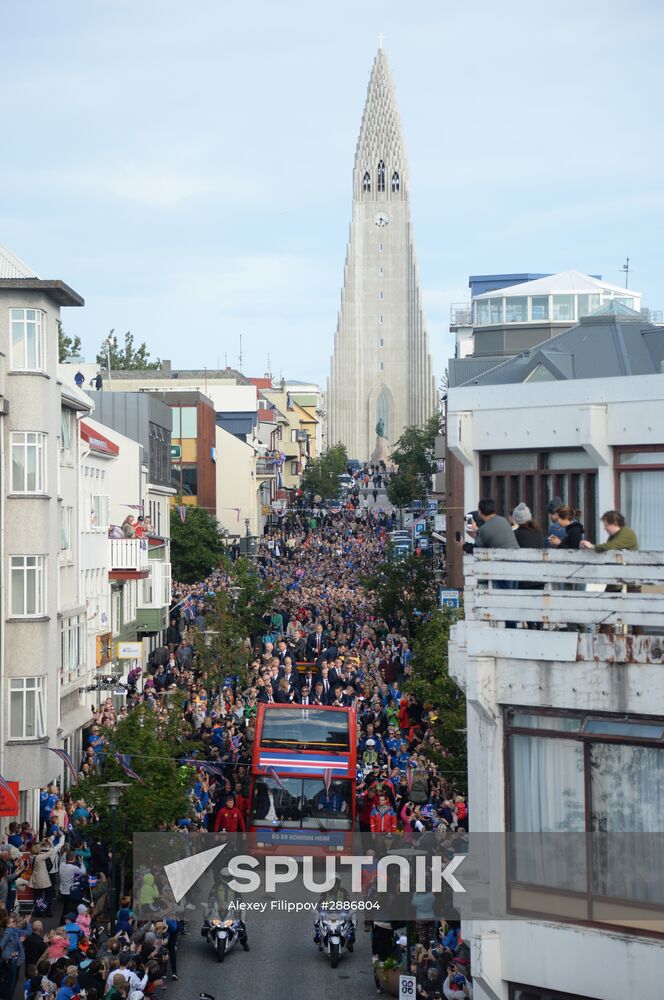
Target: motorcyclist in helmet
(337, 894)
(219, 905)
(370, 757)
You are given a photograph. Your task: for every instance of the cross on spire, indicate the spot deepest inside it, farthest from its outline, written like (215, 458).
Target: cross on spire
(381, 39)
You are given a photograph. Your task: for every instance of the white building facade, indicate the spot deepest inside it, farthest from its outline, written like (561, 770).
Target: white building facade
(566, 722)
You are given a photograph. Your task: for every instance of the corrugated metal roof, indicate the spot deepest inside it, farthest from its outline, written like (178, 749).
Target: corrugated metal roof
(460, 370)
(12, 266)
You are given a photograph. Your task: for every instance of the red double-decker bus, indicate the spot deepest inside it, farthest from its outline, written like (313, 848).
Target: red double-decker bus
(303, 777)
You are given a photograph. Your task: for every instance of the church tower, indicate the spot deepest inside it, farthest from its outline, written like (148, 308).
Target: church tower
(381, 367)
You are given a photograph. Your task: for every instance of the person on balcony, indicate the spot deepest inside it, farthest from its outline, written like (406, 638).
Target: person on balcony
(570, 520)
(128, 529)
(620, 536)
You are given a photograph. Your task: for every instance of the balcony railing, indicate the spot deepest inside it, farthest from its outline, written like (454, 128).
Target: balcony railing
(129, 554)
(461, 314)
(580, 588)
(265, 467)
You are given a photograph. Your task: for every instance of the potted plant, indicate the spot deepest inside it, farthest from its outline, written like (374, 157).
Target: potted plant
(387, 974)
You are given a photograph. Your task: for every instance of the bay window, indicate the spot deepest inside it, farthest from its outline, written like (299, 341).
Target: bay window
(27, 339)
(28, 578)
(26, 708)
(28, 465)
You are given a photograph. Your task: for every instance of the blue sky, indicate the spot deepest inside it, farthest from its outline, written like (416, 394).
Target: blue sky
(187, 167)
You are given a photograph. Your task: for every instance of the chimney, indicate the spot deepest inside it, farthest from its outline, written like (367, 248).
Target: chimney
(166, 367)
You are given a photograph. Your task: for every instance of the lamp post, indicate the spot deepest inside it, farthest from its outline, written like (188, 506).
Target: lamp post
(114, 789)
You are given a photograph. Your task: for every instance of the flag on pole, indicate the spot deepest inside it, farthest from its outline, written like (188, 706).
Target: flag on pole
(327, 778)
(182, 511)
(64, 756)
(189, 608)
(124, 760)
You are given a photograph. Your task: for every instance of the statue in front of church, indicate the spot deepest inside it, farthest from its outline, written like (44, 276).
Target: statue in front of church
(381, 451)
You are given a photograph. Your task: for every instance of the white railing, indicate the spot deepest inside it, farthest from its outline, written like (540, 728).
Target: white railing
(574, 587)
(129, 553)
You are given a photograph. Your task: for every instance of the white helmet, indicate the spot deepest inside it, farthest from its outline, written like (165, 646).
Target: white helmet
(370, 743)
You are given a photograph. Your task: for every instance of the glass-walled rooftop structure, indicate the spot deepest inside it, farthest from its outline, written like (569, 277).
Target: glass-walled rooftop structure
(560, 298)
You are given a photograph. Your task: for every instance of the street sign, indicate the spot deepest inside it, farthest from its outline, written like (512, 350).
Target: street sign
(449, 598)
(420, 527)
(433, 506)
(176, 451)
(407, 986)
(129, 650)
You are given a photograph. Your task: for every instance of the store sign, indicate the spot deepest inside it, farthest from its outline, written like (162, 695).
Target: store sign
(449, 598)
(9, 800)
(176, 451)
(129, 650)
(104, 649)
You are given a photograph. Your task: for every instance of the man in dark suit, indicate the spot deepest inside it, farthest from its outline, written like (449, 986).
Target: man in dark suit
(298, 648)
(309, 678)
(315, 643)
(319, 698)
(291, 674)
(305, 695)
(324, 677)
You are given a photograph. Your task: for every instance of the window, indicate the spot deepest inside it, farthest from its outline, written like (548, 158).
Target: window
(496, 310)
(382, 342)
(640, 482)
(188, 418)
(380, 272)
(482, 312)
(190, 480)
(516, 309)
(563, 308)
(27, 586)
(380, 319)
(587, 304)
(159, 455)
(26, 708)
(533, 477)
(366, 182)
(539, 305)
(99, 511)
(380, 184)
(380, 296)
(66, 436)
(65, 533)
(27, 343)
(294, 468)
(395, 183)
(380, 248)
(382, 366)
(602, 775)
(28, 465)
(72, 647)
(294, 435)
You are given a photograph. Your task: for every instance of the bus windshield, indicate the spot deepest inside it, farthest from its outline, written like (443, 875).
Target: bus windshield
(302, 803)
(305, 729)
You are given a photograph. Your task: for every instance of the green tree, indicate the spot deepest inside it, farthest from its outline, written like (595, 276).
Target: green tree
(125, 358)
(255, 597)
(431, 682)
(152, 745)
(413, 454)
(68, 347)
(197, 546)
(404, 589)
(321, 477)
(223, 649)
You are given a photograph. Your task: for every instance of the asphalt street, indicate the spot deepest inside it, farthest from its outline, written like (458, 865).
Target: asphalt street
(283, 962)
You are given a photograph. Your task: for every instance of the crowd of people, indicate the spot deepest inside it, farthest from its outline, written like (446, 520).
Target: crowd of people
(322, 616)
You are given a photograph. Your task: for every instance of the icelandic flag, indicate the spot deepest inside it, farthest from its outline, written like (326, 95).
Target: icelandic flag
(64, 756)
(124, 760)
(188, 608)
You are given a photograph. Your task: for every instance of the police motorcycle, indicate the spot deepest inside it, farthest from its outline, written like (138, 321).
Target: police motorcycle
(335, 925)
(223, 928)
